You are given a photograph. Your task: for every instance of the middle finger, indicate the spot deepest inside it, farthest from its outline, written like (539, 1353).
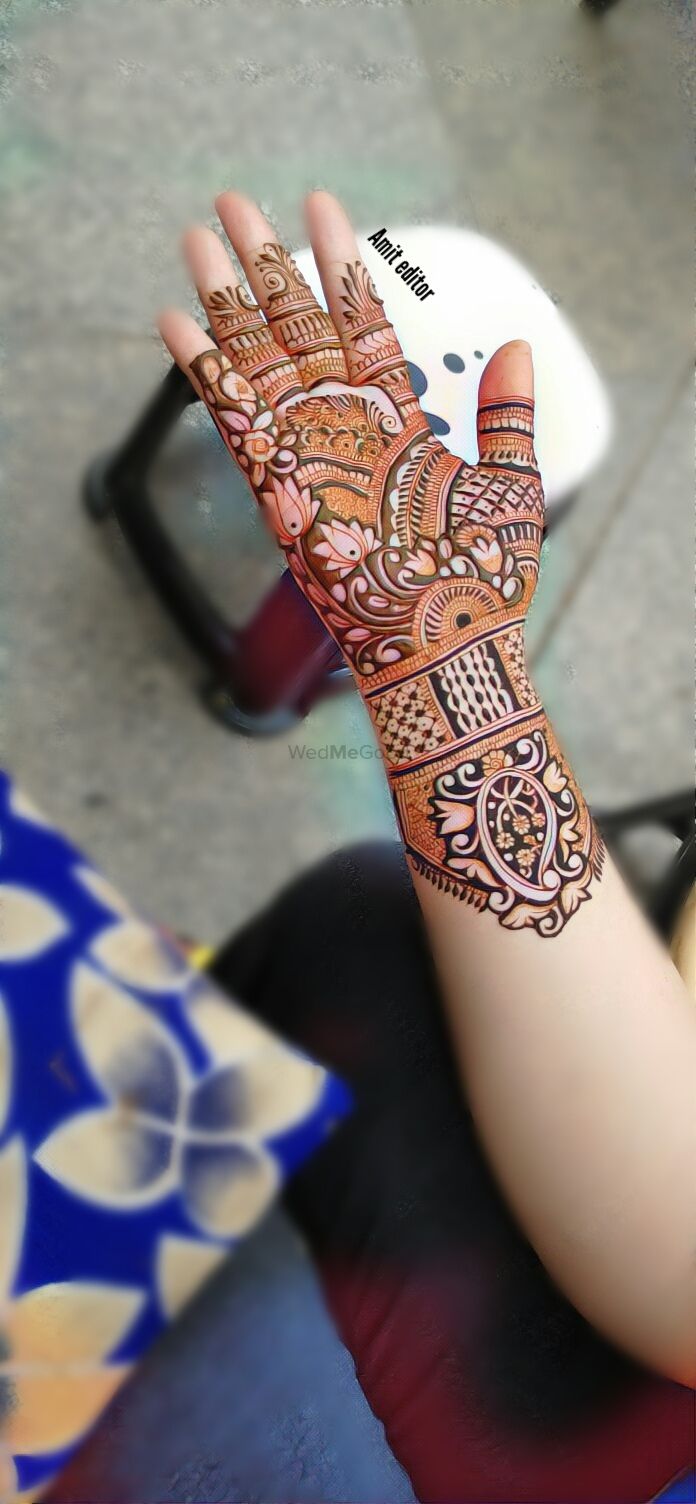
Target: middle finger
(237, 321)
(298, 322)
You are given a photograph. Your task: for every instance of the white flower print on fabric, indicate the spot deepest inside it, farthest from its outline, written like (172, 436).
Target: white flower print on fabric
(136, 954)
(105, 893)
(161, 1130)
(172, 1100)
(54, 1341)
(279, 1086)
(28, 923)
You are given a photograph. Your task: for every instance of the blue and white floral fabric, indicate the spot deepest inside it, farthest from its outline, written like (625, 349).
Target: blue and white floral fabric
(146, 1124)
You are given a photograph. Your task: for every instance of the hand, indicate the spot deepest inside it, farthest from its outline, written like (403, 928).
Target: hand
(421, 566)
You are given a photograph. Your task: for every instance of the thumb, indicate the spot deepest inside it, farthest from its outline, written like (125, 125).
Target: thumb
(505, 419)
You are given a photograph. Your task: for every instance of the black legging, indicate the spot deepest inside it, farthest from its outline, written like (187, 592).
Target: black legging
(489, 1384)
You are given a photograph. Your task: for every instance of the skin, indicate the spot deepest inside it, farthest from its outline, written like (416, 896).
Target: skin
(575, 1038)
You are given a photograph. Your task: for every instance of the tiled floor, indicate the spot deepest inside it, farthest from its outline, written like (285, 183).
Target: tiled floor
(564, 136)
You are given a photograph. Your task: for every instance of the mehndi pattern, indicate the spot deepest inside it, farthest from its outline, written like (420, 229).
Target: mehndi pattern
(423, 568)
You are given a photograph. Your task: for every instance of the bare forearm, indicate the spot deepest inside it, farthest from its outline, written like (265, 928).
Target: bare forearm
(575, 1037)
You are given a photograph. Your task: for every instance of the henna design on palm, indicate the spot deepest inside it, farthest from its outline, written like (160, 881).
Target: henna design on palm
(423, 568)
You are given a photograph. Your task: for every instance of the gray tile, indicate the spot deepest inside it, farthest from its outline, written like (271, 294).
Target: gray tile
(573, 144)
(618, 674)
(640, 414)
(128, 118)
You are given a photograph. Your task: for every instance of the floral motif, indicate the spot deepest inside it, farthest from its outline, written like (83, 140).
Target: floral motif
(521, 823)
(452, 815)
(422, 561)
(146, 1091)
(290, 511)
(487, 552)
(345, 545)
(256, 444)
(491, 761)
(161, 1131)
(233, 386)
(490, 560)
(55, 1341)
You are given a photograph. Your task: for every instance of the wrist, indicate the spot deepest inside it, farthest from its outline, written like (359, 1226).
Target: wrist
(488, 808)
(444, 704)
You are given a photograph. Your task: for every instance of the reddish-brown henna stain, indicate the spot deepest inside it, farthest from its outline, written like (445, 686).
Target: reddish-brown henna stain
(423, 568)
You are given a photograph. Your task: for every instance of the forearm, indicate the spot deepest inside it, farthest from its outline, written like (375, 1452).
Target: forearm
(575, 1038)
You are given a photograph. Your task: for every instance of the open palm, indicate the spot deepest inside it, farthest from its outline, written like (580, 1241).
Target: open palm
(397, 543)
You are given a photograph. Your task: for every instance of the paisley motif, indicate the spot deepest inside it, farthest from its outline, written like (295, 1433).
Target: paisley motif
(517, 805)
(513, 822)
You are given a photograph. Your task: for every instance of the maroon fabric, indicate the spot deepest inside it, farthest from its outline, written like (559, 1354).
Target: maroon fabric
(443, 1428)
(490, 1386)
